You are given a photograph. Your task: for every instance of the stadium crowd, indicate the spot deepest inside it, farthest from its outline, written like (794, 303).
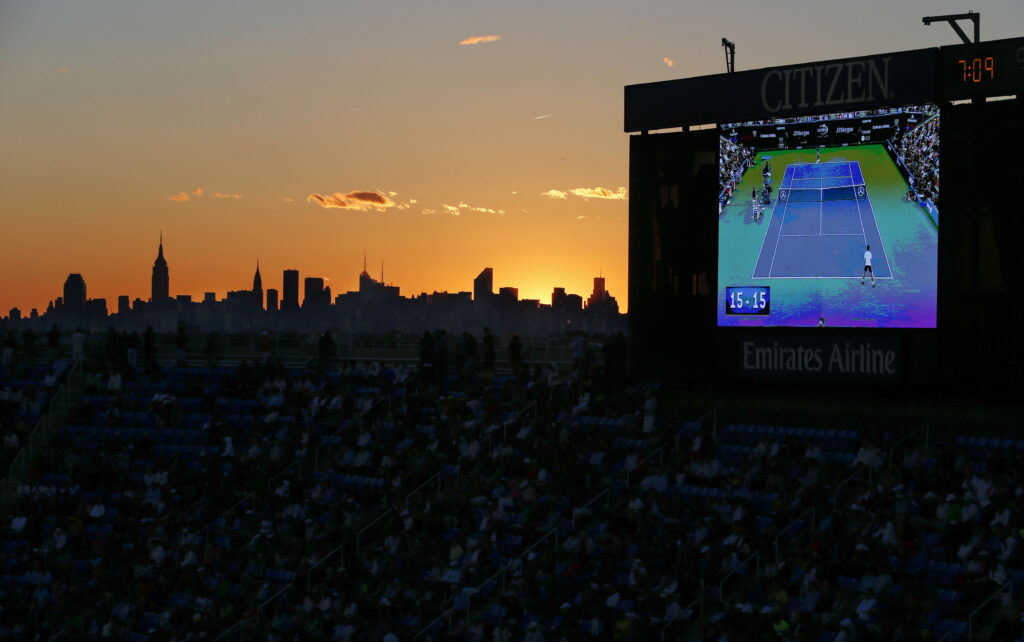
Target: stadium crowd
(365, 501)
(734, 159)
(919, 149)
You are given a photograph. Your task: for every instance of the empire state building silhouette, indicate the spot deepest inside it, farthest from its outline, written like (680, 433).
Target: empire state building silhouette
(160, 277)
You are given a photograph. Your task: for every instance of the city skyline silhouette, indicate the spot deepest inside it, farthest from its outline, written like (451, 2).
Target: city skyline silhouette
(318, 131)
(304, 302)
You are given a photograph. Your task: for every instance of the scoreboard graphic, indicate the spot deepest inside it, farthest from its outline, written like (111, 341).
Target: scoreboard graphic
(874, 194)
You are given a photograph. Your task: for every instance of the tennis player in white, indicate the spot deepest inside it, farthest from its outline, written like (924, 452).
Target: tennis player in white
(867, 267)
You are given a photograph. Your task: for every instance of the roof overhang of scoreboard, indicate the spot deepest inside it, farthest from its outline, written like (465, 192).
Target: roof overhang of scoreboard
(833, 85)
(847, 84)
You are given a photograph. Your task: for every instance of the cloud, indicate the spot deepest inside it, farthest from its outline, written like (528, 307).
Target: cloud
(581, 217)
(359, 200)
(180, 197)
(289, 200)
(429, 211)
(668, 61)
(62, 70)
(479, 40)
(600, 192)
(483, 210)
(197, 191)
(451, 209)
(587, 193)
(544, 116)
(220, 195)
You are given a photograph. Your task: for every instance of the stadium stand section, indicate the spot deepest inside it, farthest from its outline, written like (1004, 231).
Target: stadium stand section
(368, 501)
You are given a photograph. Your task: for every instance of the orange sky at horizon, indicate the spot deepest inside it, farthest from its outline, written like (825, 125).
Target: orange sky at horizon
(483, 135)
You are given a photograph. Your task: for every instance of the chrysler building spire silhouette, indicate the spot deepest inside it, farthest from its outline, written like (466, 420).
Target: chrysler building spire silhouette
(257, 287)
(160, 281)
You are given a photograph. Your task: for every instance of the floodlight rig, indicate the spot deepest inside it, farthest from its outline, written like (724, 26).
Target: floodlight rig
(730, 55)
(952, 19)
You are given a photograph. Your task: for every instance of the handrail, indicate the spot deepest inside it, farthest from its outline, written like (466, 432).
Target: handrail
(309, 571)
(835, 495)
(43, 424)
(576, 511)
(421, 486)
(476, 589)
(205, 530)
(714, 415)
(699, 600)
(364, 528)
(756, 555)
(892, 449)
(270, 482)
(970, 618)
(447, 614)
(522, 410)
(661, 461)
(316, 451)
(504, 569)
(269, 600)
(791, 524)
(233, 627)
(537, 543)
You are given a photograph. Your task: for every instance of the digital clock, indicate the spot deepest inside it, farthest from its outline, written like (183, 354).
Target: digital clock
(981, 69)
(750, 299)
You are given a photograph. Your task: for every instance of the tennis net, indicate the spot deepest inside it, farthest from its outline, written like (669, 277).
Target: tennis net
(818, 195)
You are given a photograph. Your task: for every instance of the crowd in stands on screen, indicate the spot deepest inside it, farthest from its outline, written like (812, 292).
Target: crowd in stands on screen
(919, 149)
(734, 159)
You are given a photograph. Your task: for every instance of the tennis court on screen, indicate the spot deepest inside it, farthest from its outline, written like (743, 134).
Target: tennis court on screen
(820, 225)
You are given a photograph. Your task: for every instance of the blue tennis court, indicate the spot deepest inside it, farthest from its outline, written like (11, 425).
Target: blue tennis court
(820, 225)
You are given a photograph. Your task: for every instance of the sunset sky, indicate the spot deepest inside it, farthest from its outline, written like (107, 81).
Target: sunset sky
(441, 137)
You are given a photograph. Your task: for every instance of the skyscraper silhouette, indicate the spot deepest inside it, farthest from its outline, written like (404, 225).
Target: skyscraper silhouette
(74, 292)
(290, 293)
(257, 287)
(160, 282)
(313, 292)
(599, 295)
(483, 286)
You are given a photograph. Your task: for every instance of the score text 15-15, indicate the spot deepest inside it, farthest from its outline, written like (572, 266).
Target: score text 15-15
(753, 299)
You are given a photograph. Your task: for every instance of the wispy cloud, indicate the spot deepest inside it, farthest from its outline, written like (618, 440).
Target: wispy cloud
(360, 200)
(62, 70)
(600, 192)
(668, 61)
(479, 40)
(587, 193)
(456, 210)
(357, 200)
(543, 116)
(185, 197)
(289, 200)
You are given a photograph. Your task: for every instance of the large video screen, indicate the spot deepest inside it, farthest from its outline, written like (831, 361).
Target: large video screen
(830, 219)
